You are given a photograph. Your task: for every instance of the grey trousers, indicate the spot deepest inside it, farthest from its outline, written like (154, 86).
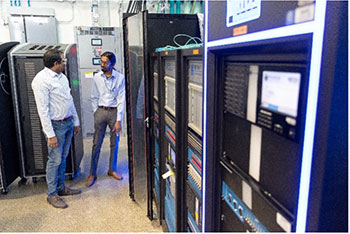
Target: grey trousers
(102, 118)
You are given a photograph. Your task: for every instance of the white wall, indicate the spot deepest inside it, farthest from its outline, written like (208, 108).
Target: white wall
(68, 13)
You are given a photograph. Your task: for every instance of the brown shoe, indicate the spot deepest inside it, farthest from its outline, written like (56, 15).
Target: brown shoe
(115, 175)
(90, 180)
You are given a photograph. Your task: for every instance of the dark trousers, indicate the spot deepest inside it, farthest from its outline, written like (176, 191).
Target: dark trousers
(102, 118)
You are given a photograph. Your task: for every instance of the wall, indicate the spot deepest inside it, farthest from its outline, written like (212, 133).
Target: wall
(69, 13)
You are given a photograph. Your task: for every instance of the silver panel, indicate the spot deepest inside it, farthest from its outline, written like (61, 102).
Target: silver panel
(35, 26)
(16, 26)
(86, 80)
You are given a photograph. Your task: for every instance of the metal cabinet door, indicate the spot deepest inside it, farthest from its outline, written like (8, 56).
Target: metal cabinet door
(41, 29)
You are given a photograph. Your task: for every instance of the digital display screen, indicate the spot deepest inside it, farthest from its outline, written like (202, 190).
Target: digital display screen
(241, 11)
(96, 42)
(172, 155)
(280, 92)
(96, 61)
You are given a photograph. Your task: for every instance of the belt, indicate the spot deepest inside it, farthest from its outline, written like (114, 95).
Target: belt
(63, 120)
(107, 107)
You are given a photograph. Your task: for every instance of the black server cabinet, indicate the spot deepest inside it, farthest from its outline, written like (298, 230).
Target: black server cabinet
(9, 157)
(180, 90)
(192, 93)
(258, 118)
(157, 133)
(142, 37)
(26, 60)
(171, 148)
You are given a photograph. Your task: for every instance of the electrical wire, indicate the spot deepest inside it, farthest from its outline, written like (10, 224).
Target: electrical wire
(188, 41)
(197, 43)
(128, 10)
(193, 4)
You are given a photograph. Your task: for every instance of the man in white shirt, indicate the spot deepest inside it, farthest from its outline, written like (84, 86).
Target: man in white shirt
(59, 120)
(108, 104)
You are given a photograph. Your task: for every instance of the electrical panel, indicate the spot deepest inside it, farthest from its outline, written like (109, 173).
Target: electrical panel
(91, 43)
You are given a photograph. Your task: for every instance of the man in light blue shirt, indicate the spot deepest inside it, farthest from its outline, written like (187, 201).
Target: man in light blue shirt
(108, 103)
(59, 120)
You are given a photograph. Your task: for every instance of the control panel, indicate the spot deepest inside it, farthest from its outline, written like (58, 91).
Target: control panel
(195, 94)
(241, 210)
(278, 99)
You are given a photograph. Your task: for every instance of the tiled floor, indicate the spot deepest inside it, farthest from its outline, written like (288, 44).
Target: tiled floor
(104, 207)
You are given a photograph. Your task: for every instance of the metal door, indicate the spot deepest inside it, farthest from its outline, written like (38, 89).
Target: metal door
(136, 110)
(35, 25)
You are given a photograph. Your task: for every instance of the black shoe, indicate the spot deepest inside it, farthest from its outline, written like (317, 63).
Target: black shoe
(57, 202)
(68, 191)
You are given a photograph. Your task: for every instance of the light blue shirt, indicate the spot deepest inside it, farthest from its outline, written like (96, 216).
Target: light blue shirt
(109, 92)
(53, 99)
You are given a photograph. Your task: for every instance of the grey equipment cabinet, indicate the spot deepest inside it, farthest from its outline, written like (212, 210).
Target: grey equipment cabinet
(26, 60)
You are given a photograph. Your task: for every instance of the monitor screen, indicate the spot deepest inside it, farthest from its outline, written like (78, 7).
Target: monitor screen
(96, 61)
(280, 92)
(96, 42)
(172, 155)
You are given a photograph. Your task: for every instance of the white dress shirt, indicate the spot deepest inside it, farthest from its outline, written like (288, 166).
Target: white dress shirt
(53, 99)
(109, 92)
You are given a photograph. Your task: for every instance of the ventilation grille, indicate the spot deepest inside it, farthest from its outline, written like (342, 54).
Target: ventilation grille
(44, 47)
(97, 31)
(170, 123)
(194, 142)
(29, 69)
(236, 89)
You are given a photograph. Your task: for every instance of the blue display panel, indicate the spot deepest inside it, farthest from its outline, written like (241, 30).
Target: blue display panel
(169, 208)
(195, 172)
(241, 210)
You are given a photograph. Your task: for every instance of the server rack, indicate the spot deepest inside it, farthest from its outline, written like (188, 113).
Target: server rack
(177, 132)
(157, 133)
(26, 60)
(171, 147)
(141, 38)
(257, 147)
(9, 158)
(192, 93)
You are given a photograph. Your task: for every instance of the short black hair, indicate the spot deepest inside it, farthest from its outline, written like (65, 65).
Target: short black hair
(52, 56)
(110, 56)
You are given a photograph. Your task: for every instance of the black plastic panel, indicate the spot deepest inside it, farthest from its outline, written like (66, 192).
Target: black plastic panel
(236, 140)
(9, 157)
